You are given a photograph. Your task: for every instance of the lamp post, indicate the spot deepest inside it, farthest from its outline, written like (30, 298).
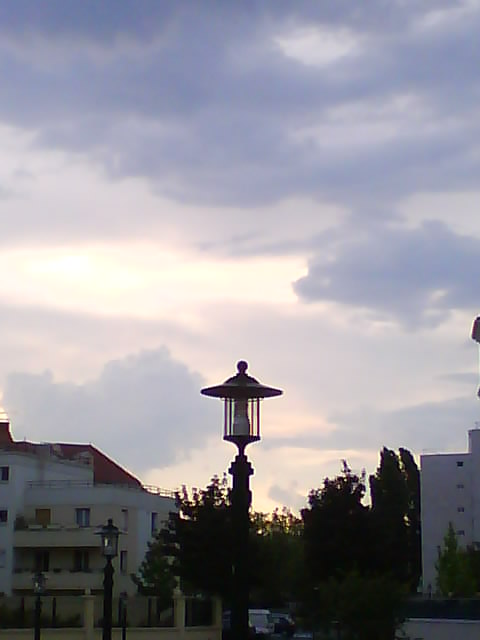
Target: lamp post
(241, 395)
(39, 590)
(109, 534)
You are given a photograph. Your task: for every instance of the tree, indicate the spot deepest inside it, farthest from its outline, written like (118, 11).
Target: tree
(198, 537)
(358, 607)
(454, 573)
(155, 575)
(411, 475)
(195, 545)
(337, 533)
(276, 558)
(395, 495)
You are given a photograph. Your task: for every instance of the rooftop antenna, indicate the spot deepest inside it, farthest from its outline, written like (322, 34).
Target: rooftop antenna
(476, 337)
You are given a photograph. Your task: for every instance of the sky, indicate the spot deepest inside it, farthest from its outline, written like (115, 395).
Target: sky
(186, 184)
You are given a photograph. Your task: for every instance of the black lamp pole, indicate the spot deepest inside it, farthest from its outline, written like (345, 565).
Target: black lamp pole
(107, 600)
(109, 534)
(242, 395)
(38, 588)
(241, 470)
(38, 613)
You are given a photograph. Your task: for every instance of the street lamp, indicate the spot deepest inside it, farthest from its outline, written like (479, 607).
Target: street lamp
(241, 395)
(109, 534)
(39, 590)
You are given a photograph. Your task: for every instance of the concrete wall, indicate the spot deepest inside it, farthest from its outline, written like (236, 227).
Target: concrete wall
(132, 634)
(447, 495)
(440, 630)
(90, 609)
(23, 468)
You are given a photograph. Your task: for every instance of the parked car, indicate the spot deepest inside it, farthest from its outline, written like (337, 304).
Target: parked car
(261, 621)
(283, 624)
(260, 624)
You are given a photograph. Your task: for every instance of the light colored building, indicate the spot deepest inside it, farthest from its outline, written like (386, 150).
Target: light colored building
(450, 492)
(54, 497)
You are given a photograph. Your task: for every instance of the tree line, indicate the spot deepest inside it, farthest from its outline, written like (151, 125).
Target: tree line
(342, 561)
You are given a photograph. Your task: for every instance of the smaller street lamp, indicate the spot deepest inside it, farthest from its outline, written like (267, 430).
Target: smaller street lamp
(109, 534)
(39, 590)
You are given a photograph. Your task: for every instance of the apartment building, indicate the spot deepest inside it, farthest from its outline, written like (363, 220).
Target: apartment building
(450, 492)
(54, 497)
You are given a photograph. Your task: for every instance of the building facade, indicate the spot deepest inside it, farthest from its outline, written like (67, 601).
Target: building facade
(54, 497)
(450, 492)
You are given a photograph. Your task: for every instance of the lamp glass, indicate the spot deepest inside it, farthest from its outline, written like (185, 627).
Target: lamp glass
(39, 582)
(109, 535)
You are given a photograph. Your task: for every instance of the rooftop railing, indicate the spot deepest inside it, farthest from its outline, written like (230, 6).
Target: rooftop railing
(63, 484)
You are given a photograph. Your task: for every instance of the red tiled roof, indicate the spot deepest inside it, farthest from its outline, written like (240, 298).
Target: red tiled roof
(5, 435)
(105, 470)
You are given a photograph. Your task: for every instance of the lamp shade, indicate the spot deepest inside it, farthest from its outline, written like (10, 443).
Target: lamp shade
(109, 534)
(241, 395)
(39, 583)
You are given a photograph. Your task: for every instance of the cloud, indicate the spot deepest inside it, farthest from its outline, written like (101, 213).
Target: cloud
(288, 497)
(145, 409)
(413, 276)
(426, 427)
(205, 104)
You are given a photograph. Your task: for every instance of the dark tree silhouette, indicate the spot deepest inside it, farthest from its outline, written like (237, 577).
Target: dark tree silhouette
(337, 533)
(395, 495)
(277, 558)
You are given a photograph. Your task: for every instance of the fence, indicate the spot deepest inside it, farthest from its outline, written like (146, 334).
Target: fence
(80, 618)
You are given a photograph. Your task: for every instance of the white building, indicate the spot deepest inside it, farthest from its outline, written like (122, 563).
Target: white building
(450, 492)
(53, 499)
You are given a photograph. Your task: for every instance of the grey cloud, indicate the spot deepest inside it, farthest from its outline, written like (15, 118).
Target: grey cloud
(205, 106)
(80, 342)
(96, 20)
(145, 409)
(414, 276)
(288, 497)
(427, 427)
(91, 19)
(462, 377)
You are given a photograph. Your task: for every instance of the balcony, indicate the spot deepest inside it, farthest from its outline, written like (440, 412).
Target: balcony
(51, 536)
(60, 580)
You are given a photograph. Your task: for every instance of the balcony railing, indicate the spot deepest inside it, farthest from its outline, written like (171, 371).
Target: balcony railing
(35, 535)
(64, 484)
(60, 579)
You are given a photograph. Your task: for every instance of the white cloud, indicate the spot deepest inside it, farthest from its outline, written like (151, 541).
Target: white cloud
(318, 47)
(145, 410)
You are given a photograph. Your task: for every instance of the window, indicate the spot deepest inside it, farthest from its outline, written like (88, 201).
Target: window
(125, 519)
(4, 474)
(42, 516)
(460, 509)
(459, 463)
(3, 516)
(123, 561)
(82, 517)
(42, 561)
(460, 485)
(3, 558)
(154, 523)
(460, 532)
(81, 561)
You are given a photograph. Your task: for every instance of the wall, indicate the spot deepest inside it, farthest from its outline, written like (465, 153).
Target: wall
(106, 501)
(440, 630)
(132, 634)
(91, 608)
(445, 488)
(25, 467)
